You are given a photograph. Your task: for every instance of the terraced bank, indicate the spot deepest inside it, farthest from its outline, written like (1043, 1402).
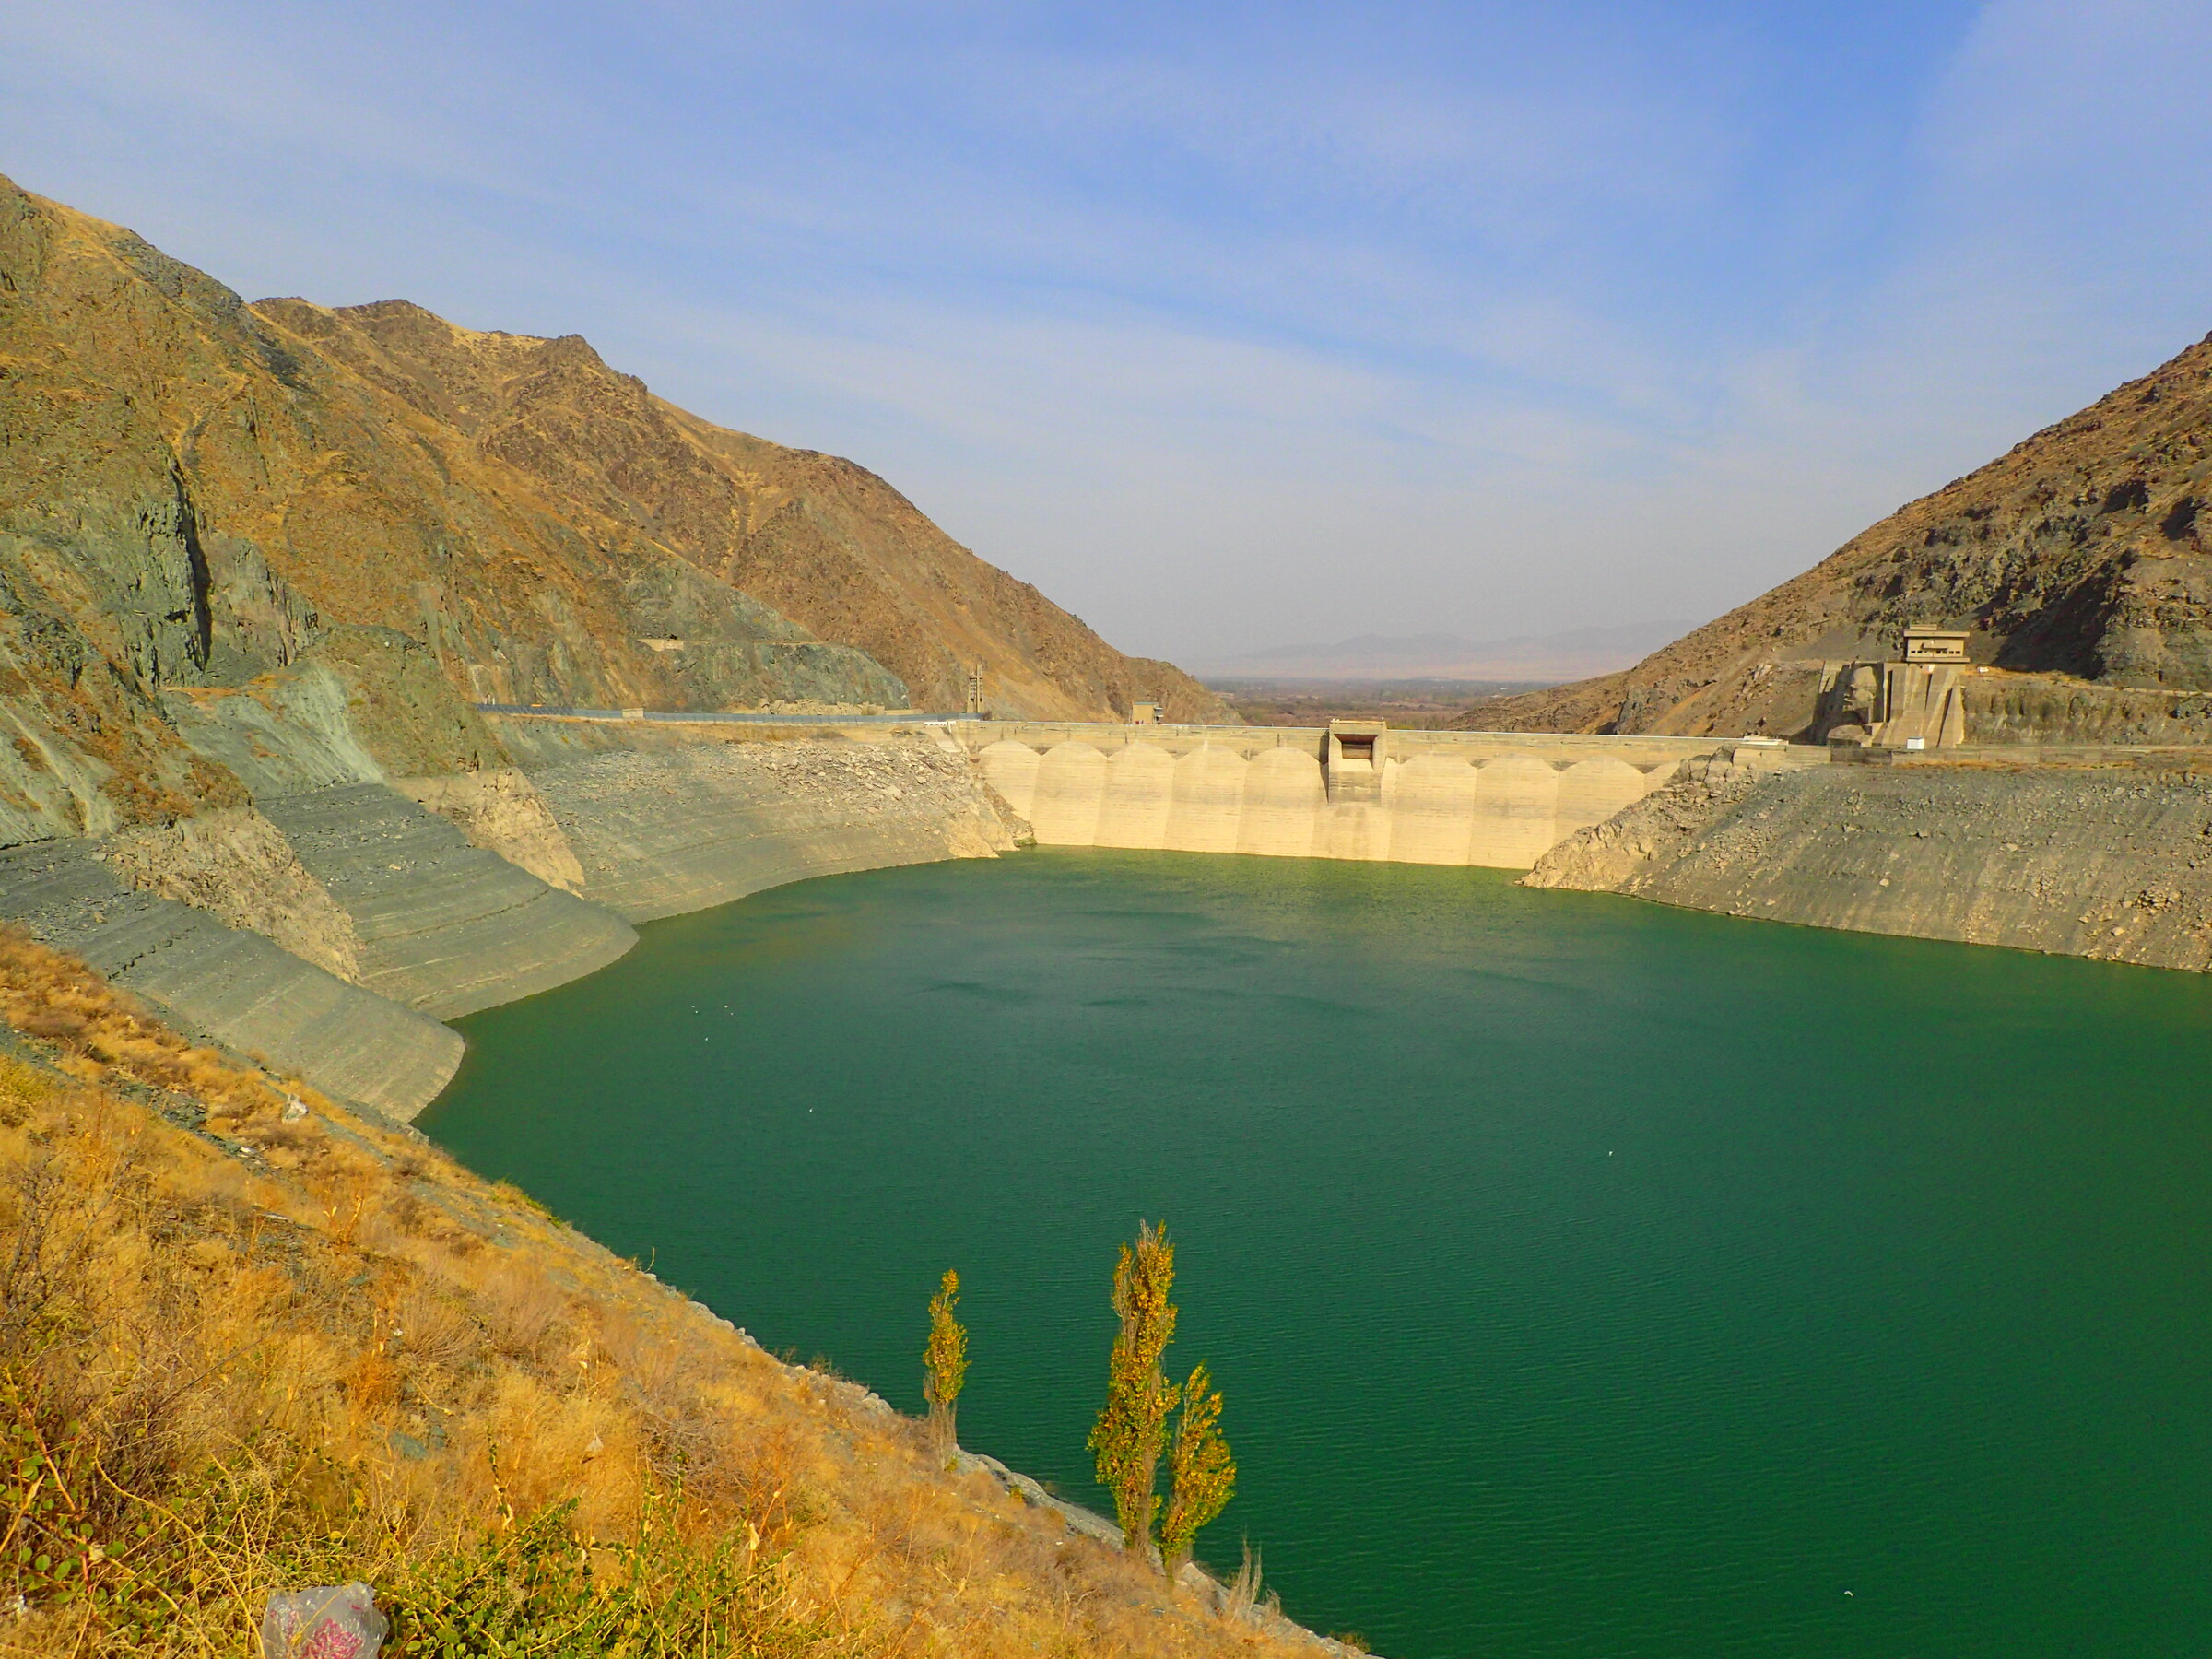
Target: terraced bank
(329, 927)
(2095, 853)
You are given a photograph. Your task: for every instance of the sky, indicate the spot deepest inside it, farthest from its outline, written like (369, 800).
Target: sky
(1229, 326)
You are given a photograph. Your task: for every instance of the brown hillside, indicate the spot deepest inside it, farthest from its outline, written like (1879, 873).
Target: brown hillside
(825, 542)
(849, 556)
(195, 491)
(249, 1345)
(2079, 552)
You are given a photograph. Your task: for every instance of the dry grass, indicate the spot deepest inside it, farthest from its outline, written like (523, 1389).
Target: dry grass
(238, 1355)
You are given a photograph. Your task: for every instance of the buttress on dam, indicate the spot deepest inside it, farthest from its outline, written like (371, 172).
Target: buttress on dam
(1355, 790)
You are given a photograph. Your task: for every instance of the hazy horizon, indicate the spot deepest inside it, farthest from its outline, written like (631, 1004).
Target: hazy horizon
(1230, 325)
(1552, 658)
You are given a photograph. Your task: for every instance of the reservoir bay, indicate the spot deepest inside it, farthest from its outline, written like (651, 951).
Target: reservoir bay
(1585, 1277)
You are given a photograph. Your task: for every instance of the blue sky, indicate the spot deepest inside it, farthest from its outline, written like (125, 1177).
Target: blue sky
(1228, 324)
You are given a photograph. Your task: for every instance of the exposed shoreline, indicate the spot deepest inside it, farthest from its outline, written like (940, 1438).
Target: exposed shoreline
(2103, 861)
(328, 929)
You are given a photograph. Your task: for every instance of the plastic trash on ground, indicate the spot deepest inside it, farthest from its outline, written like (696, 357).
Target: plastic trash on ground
(330, 1621)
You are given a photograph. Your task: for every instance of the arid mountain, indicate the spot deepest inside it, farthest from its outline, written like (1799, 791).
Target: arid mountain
(2080, 553)
(825, 542)
(195, 492)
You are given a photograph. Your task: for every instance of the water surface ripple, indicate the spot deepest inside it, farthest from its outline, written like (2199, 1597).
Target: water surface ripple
(1585, 1277)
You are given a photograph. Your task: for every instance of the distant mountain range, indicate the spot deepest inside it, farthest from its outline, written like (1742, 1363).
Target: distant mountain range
(1575, 655)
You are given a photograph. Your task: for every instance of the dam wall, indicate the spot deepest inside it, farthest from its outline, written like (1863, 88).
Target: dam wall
(1497, 799)
(2097, 855)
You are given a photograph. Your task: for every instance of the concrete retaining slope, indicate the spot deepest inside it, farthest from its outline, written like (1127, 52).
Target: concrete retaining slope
(2111, 863)
(444, 927)
(225, 985)
(1494, 799)
(668, 821)
(424, 920)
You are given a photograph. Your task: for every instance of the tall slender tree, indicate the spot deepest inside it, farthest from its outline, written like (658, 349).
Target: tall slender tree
(1130, 1434)
(1202, 1476)
(945, 1363)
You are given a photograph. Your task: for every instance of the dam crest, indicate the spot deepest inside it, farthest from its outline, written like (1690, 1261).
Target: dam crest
(1353, 790)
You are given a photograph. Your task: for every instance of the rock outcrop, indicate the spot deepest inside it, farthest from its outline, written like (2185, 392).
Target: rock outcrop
(193, 490)
(239, 867)
(500, 811)
(2078, 554)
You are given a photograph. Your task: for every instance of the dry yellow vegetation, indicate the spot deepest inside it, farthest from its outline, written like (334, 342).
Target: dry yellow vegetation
(240, 1354)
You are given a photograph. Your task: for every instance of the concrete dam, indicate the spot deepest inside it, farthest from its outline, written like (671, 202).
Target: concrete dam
(1354, 790)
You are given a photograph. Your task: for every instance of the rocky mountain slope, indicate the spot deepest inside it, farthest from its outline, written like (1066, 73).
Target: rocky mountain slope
(825, 542)
(2098, 859)
(2079, 554)
(194, 492)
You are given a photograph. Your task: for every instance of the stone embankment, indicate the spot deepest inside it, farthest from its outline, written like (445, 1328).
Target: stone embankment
(329, 926)
(663, 820)
(2096, 854)
(230, 984)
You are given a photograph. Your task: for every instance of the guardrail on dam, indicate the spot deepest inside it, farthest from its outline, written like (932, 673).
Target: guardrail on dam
(1354, 790)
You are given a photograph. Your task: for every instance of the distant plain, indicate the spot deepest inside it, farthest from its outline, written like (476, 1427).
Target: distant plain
(1407, 703)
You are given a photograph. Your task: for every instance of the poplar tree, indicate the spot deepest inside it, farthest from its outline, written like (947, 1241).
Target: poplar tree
(945, 1363)
(1202, 1476)
(1130, 1434)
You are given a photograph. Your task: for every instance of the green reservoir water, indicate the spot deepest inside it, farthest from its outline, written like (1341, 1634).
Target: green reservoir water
(1585, 1277)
